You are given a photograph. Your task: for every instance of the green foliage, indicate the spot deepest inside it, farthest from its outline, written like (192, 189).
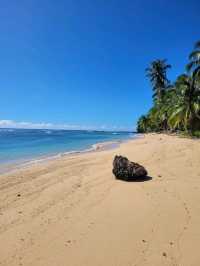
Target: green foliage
(196, 134)
(176, 107)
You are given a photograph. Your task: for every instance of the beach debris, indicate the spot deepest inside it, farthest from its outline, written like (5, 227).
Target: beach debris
(164, 254)
(18, 195)
(127, 170)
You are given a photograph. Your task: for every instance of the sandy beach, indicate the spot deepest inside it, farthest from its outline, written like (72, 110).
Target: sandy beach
(72, 212)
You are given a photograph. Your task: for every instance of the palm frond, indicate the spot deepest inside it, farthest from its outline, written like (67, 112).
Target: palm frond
(196, 72)
(194, 55)
(189, 66)
(197, 44)
(196, 107)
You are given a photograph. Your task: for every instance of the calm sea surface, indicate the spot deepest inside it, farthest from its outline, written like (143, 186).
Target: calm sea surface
(26, 144)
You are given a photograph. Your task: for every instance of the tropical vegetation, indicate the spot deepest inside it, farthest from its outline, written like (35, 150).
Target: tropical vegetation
(176, 106)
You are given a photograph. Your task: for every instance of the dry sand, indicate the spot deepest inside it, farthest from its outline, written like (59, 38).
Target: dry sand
(72, 211)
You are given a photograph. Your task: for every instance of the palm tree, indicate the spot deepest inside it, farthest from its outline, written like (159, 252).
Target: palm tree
(194, 57)
(177, 106)
(154, 118)
(166, 108)
(142, 124)
(186, 110)
(157, 72)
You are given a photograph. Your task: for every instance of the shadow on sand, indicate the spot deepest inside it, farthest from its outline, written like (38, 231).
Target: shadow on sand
(140, 179)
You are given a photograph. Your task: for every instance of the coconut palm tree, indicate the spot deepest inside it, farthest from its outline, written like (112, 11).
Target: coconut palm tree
(157, 72)
(177, 106)
(142, 124)
(194, 64)
(186, 110)
(166, 108)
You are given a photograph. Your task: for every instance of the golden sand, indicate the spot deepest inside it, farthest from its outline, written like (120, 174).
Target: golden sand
(72, 212)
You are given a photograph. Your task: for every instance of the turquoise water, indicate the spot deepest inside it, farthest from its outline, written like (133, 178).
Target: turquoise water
(27, 144)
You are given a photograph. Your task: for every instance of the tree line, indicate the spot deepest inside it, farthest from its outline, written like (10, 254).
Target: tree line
(176, 106)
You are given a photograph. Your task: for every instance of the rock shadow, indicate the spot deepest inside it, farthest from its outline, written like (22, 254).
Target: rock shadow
(136, 179)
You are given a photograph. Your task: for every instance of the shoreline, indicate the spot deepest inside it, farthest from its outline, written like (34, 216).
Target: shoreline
(97, 147)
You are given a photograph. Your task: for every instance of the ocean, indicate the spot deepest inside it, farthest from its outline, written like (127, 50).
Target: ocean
(22, 145)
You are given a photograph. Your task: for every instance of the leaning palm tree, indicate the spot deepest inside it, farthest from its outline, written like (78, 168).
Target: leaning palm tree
(157, 72)
(194, 64)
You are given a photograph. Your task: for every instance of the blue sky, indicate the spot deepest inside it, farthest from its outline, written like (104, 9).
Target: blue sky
(81, 63)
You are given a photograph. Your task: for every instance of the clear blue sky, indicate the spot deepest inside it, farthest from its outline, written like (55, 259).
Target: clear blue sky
(82, 62)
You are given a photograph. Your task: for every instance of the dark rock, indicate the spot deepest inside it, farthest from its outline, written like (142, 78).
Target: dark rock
(127, 170)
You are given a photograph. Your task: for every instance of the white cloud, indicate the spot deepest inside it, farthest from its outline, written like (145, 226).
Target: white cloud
(30, 125)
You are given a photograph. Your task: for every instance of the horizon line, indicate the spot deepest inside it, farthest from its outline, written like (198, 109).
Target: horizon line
(11, 124)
